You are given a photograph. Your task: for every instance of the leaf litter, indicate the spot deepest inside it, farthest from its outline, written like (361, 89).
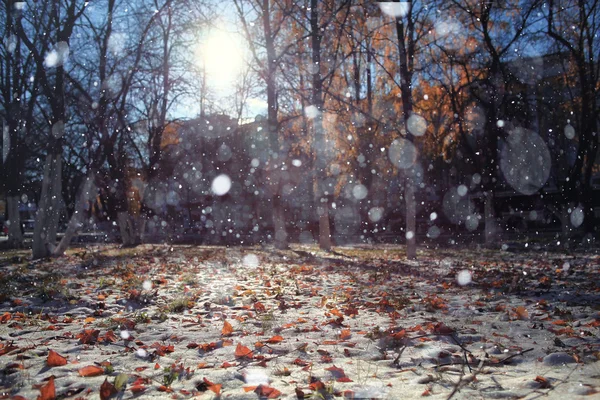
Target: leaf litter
(358, 322)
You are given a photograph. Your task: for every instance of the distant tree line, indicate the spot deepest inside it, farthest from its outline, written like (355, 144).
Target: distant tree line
(413, 111)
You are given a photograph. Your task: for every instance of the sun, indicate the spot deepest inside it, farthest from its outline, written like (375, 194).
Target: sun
(222, 56)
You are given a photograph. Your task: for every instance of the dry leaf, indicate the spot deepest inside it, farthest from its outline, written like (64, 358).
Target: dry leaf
(275, 339)
(242, 351)
(522, 312)
(91, 370)
(55, 360)
(227, 329)
(107, 390)
(48, 391)
(267, 391)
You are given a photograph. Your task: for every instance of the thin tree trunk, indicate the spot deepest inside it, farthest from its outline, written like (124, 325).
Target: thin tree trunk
(405, 55)
(15, 234)
(491, 225)
(411, 220)
(46, 221)
(86, 192)
(319, 140)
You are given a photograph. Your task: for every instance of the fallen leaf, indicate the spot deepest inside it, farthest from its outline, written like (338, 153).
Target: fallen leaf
(345, 334)
(48, 391)
(544, 383)
(267, 391)
(55, 360)
(213, 387)
(227, 329)
(107, 390)
(242, 351)
(91, 370)
(275, 339)
(521, 312)
(4, 318)
(88, 336)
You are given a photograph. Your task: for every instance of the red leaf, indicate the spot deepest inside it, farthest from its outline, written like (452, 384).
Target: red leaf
(345, 334)
(544, 384)
(267, 391)
(336, 372)
(227, 329)
(48, 391)
(55, 360)
(300, 362)
(88, 336)
(91, 370)
(5, 317)
(107, 390)
(213, 387)
(442, 329)
(110, 337)
(275, 339)
(344, 379)
(137, 388)
(259, 307)
(242, 351)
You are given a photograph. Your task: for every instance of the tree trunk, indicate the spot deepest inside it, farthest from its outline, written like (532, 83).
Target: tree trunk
(320, 144)
(15, 234)
(48, 213)
(86, 192)
(491, 225)
(411, 219)
(405, 53)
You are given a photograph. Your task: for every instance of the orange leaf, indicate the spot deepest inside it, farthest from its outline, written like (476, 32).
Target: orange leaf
(521, 312)
(259, 307)
(88, 336)
(91, 370)
(55, 360)
(275, 339)
(242, 351)
(213, 387)
(5, 317)
(89, 320)
(266, 391)
(249, 388)
(544, 384)
(560, 322)
(345, 334)
(227, 329)
(137, 388)
(107, 390)
(48, 391)
(227, 365)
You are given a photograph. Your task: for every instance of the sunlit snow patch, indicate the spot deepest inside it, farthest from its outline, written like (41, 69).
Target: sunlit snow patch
(147, 285)
(250, 260)
(255, 377)
(221, 185)
(416, 125)
(394, 9)
(141, 353)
